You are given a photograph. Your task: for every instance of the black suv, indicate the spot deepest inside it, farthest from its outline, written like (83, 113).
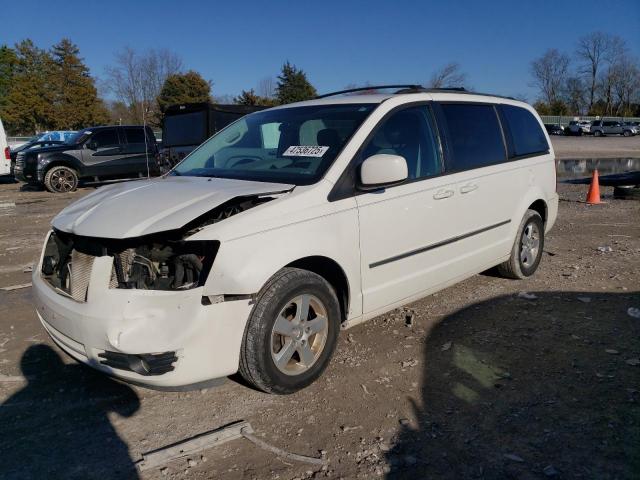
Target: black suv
(98, 153)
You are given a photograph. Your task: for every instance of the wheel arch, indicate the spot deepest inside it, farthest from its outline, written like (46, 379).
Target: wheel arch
(540, 206)
(332, 272)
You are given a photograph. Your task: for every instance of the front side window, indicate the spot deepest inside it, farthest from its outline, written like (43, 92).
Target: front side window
(289, 145)
(474, 135)
(410, 134)
(526, 135)
(105, 138)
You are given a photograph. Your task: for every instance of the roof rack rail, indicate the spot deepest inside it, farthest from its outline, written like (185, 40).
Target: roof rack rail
(412, 89)
(371, 87)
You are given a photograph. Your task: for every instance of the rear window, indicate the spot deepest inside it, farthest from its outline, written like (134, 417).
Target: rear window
(474, 135)
(526, 135)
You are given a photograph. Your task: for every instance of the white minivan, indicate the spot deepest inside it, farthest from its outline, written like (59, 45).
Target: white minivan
(290, 224)
(5, 153)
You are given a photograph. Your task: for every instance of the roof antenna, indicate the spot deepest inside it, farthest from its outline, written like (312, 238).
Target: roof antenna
(146, 148)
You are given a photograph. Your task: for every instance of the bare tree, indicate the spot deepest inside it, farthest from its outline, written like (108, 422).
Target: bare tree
(137, 78)
(594, 51)
(549, 74)
(267, 87)
(621, 85)
(448, 76)
(575, 95)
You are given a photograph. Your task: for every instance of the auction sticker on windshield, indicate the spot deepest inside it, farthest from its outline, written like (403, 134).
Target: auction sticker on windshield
(305, 151)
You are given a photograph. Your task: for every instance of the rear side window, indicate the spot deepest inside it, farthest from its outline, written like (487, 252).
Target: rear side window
(474, 135)
(134, 135)
(526, 135)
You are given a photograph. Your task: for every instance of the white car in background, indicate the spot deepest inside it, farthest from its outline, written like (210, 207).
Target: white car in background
(578, 127)
(290, 224)
(5, 153)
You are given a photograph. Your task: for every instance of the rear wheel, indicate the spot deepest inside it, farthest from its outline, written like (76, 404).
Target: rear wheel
(527, 248)
(597, 133)
(627, 133)
(291, 333)
(61, 179)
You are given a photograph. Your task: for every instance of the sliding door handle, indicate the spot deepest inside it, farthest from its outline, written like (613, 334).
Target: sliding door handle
(470, 187)
(442, 194)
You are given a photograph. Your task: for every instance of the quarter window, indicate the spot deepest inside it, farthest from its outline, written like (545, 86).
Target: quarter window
(474, 135)
(410, 134)
(526, 134)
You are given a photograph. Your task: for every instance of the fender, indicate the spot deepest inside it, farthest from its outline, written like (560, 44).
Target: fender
(241, 266)
(48, 160)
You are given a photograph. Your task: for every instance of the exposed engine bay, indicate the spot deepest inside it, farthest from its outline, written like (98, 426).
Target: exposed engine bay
(163, 261)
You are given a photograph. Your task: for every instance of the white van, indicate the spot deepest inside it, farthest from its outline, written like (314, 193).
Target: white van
(290, 224)
(5, 154)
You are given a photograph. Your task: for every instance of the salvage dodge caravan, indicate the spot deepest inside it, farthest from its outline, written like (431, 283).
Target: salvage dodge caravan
(290, 224)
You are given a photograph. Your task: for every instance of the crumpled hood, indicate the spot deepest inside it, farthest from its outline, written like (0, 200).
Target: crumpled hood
(142, 207)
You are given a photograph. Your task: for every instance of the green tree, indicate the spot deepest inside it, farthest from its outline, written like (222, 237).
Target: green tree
(28, 107)
(293, 85)
(8, 61)
(249, 97)
(187, 87)
(75, 97)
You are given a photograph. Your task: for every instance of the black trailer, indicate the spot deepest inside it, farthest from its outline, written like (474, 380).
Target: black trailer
(187, 125)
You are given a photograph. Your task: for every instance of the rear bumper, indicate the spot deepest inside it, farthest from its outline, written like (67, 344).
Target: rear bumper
(199, 342)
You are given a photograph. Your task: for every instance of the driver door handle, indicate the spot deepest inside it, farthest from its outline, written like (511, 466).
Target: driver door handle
(470, 187)
(442, 194)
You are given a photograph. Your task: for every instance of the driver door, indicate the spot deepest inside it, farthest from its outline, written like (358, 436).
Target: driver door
(102, 153)
(404, 229)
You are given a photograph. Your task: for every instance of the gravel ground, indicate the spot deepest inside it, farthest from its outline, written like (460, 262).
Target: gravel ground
(588, 146)
(491, 378)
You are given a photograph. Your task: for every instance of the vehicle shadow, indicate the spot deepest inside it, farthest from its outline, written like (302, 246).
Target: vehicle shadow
(57, 426)
(527, 388)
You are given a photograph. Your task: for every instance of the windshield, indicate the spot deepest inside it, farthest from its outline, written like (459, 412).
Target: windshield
(290, 145)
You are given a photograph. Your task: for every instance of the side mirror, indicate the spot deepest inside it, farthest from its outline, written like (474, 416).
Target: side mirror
(382, 170)
(91, 145)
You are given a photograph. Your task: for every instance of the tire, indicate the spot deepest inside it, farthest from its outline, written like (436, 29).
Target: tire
(61, 179)
(279, 355)
(530, 243)
(597, 133)
(626, 193)
(627, 133)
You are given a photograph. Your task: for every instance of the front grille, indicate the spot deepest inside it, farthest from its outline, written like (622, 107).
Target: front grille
(147, 364)
(20, 160)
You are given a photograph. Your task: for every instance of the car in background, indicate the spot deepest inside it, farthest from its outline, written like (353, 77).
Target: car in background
(46, 139)
(554, 129)
(5, 155)
(97, 153)
(612, 127)
(577, 127)
(186, 126)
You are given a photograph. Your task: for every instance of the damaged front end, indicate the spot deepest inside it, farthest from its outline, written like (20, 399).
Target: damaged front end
(160, 261)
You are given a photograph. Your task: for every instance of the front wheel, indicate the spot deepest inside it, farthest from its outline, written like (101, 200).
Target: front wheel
(291, 333)
(527, 248)
(597, 133)
(627, 133)
(61, 179)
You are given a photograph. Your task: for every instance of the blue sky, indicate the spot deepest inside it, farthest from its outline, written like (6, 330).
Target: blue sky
(236, 43)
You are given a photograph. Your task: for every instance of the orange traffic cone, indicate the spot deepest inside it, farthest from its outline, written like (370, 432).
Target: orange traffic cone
(593, 197)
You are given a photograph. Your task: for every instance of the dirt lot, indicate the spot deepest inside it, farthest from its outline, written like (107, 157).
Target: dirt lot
(478, 381)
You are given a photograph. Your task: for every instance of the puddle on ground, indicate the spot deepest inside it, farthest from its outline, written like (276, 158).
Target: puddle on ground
(568, 169)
